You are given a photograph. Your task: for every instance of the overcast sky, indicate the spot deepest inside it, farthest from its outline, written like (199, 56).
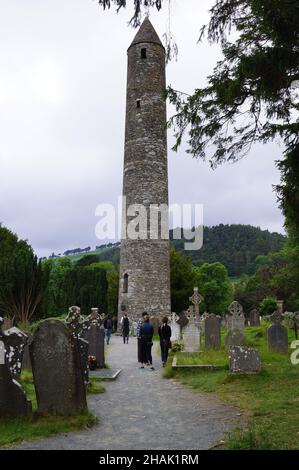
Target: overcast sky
(62, 110)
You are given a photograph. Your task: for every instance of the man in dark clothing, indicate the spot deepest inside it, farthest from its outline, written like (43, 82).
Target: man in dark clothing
(125, 325)
(146, 337)
(139, 325)
(165, 343)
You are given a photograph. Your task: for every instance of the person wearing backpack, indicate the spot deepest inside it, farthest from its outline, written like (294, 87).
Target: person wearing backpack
(146, 337)
(125, 328)
(108, 328)
(165, 343)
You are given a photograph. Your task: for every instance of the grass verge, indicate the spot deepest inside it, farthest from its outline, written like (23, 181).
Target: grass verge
(269, 399)
(16, 430)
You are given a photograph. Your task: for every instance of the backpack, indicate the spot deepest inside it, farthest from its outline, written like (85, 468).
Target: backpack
(125, 322)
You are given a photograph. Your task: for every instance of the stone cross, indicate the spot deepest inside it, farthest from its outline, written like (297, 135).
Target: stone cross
(196, 300)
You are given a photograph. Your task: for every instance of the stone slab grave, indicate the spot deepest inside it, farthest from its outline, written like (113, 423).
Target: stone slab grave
(243, 360)
(13, 400)
(235, 325)
(277, 335)
(175, 327)
(15, 341)
(57, 370)
(175, 365)
(254, 318)
(106, 374)
(212, 330)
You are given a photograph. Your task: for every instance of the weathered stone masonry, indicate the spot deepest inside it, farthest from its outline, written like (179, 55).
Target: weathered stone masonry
(144, 264)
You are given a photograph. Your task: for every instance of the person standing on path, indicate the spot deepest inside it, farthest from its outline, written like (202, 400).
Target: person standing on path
(165, 343)
(125, 326)
(146, 335)
(139, 325)
(108, 328)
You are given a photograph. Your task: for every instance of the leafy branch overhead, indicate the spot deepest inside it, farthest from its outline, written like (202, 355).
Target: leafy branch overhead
(138, 6)
(249, 96)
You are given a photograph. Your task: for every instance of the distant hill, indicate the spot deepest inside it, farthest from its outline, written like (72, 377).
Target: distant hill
(236, 246)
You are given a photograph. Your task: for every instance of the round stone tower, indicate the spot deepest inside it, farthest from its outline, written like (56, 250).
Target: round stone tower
(144, 254)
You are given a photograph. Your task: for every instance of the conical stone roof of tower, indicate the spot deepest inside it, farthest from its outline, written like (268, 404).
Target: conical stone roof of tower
(146, 33)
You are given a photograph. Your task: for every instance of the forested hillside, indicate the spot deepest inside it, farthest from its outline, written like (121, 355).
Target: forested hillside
(235, 246)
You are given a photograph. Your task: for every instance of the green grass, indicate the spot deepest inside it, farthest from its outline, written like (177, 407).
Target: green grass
(94, 387)
(270, 399)
(15, 430)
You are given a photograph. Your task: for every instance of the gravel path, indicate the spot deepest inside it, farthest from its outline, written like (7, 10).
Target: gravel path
(141, 410)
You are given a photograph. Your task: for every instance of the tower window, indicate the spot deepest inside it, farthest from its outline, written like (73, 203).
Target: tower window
(137, 103)
(143, 53)
(125, 283)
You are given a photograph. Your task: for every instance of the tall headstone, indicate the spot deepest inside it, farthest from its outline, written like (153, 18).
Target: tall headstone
(191, 335)
(57, 370)
(13, 400)
(254, 317)
(15, 341)
(175, 327)
(235, 325)
(95, 336)
(212, 332)
(277, 335)
(144, 252)
(243, 360)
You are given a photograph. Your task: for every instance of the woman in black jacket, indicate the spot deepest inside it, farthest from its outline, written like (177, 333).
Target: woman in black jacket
(165, 343)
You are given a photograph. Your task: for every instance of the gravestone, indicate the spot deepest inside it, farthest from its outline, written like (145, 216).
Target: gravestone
(243, 360)
(235, 325)
(183, 320)
(277, 335)
(154, 321)
(15, 341)
(95, 336)
(175, 327)
(191, 335)
(13, 400)
(212, 332)
(254, 317)
(26, 362)
(84, 353)
(57, 370)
